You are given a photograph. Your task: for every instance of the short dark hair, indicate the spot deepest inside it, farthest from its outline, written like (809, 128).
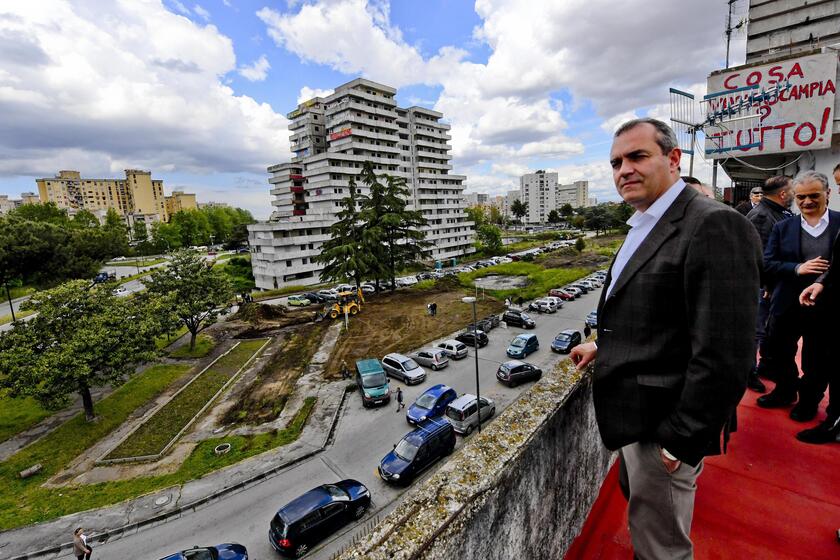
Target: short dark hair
(776, 183)
(689, 180)
(665, 137)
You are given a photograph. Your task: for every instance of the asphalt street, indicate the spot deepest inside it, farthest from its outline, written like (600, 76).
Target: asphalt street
(362, 438)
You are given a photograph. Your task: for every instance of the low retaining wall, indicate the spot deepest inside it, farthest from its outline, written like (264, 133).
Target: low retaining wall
(520, 489)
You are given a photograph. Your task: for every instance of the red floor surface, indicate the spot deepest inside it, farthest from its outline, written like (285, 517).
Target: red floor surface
(770, 497)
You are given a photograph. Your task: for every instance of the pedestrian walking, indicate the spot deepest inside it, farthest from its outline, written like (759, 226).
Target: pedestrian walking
(507, 302)
(80, 546)
(345, 371)
(666, 410)
(587, 330)
(400, 404)
(433, 309)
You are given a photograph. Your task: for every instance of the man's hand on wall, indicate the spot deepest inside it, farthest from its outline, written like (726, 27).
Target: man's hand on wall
(583, 354)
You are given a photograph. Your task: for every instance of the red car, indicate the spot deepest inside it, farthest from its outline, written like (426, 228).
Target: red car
(561, 293)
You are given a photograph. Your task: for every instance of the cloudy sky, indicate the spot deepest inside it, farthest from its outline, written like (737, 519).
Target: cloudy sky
(198, 92)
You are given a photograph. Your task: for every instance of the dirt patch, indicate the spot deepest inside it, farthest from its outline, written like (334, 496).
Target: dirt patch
(265, 398)
(399, 322)
(258, 320)
(572, 259)
(496, 282)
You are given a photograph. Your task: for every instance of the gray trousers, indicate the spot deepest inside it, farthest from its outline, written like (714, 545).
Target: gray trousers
(660, 505)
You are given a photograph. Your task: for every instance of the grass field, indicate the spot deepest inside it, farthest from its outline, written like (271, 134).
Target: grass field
(20, 291)
(151, 437)
(19, 414)
(203, 346)
(137, 262)
(163, 341)
(540, 279)
(18, 315)
(24, 501)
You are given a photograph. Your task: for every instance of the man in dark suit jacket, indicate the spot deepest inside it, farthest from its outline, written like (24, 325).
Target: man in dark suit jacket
(797, 253)
(675, 335)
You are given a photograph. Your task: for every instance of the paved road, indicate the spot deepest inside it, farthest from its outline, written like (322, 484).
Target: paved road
(362, 438)
(4, 306)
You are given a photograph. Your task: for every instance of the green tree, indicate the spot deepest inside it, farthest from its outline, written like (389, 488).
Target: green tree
(496, 216)
(82, 337)
(347, 254)
(141, 234)
(488, 239)
(195, 290)
(240, 273)
(48, 213)
(566, 210)
(116, 234)
(166, 237)
(519, 209)
(84, 219)
(580, 244)
(476, 215)
(554, 217)
(194, 227)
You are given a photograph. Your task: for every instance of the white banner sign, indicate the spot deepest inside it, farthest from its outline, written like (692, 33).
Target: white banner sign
(799, 117)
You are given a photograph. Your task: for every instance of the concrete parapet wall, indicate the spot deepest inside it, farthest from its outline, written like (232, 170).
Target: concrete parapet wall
(520, 489)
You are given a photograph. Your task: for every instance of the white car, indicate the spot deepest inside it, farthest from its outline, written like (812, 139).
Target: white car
(120, 291)
(409, 280)
(116, 259)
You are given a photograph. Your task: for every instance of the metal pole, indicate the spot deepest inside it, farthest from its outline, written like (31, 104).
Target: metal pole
(728, 30)
(12, 306)
(477, 388)
(714, 176)
(691, 157)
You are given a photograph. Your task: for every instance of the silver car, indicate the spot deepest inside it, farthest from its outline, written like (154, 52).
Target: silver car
(454, 348)
(404, 368)
(434, 358)
(463, 413)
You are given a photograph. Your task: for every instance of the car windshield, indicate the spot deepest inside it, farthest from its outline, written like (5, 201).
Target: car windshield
(409, 365)
(562, 336)
(200, 554)
(406, 450)
(525, 316)
(518, 343)
(336, 492)
(374, 380)
(426, 401)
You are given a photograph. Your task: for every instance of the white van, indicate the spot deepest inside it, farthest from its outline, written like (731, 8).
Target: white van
(462, 413)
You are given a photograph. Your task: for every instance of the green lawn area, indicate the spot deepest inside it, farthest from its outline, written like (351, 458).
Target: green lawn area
(136, 262)
(203, 346)
(21, 291)
(19, 414)
(24, 501)
(133, 277)
(163, 341)
(151, 437)
(18, 315)
(540, 279)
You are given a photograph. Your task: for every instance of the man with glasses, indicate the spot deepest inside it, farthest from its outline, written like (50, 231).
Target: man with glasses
(797, 254)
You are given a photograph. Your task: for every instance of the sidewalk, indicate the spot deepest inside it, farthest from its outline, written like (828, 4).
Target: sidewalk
(52, 539)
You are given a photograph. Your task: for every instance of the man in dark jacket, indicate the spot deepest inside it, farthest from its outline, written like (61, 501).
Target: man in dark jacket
(798, 252)
(755, 197)
(773, 207)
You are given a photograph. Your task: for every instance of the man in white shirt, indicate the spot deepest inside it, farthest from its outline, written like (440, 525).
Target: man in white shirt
(798, 252)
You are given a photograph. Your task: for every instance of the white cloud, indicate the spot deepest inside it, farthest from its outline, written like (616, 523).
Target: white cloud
(307, 93)
(257, 71)
(180, 7)
(201, 12)
(128, 84)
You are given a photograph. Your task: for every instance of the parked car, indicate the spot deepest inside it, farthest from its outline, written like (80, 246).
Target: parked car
(431, 404)
(514, 372)
(403, 368)
(562, 294)
(120, 291)
(453, 348)
(243, 250)
(574, 291)
(372, 382)
(227, 551)
(592, 319)
(316, 515)
(557, 301)
(328, 295)
(417, 451)
(345, 288)
(523, 345)
(117, 259)
(104, 277)
(314, 297)
(424, 276)
(482, 325)
(494, 320)
(517, 318)
(597, 282)
(463, 412)
(368, 288)
(565, 341)
(543, 305)
(435, 358)
(471, 338)
(297, 300)
(585, 288)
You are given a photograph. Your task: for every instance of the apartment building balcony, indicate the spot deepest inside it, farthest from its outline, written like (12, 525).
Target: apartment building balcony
(428, 165)
(353, 119)
(360, 132)
(434, 155)
(296, 189)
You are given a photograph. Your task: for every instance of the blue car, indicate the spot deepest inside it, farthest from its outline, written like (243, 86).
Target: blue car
(523, 345)
(592, 319)
(228, 551)
(431, 404)
(417, 451)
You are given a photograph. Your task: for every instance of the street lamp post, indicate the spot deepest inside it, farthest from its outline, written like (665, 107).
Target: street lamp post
(470, 299)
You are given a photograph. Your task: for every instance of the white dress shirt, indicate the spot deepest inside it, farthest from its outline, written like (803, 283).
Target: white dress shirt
(817, 230)
(641, 224)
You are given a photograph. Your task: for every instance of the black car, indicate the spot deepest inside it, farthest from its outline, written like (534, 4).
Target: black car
(469, 338)
(316, 515)
(418, 450)
(314, 297)
(565, 341)
(424, 276)
(517, 318)
(514, 372)
(227, 551)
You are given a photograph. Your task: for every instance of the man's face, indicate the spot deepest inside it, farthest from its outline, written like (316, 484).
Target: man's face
(755, 198)
(640, 170)
(811, 198)
(837, 177)
(787, 195)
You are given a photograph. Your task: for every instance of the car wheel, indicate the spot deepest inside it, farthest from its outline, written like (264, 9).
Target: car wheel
(469, 429)
(301, 550)
(434, 367)
(359, 512)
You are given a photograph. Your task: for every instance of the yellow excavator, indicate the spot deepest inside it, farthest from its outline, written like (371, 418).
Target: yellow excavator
(349, 302)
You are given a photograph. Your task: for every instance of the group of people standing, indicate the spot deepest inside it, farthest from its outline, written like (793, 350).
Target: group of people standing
(798, 299)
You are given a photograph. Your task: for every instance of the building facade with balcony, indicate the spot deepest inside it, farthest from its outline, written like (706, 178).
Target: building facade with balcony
(331, 139)
(542, 192)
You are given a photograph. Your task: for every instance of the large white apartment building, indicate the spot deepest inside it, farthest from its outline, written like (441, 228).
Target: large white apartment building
(542, 192)
(331, 139)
